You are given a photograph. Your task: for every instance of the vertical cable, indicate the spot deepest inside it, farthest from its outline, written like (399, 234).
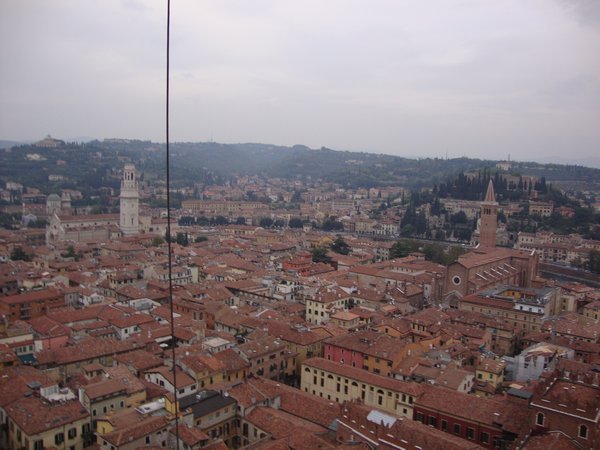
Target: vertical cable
(170, 259)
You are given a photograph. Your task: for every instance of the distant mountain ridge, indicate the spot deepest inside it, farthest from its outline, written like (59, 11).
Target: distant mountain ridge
(97, 162)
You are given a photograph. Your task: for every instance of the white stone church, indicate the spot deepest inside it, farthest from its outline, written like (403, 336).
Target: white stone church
(105, 227)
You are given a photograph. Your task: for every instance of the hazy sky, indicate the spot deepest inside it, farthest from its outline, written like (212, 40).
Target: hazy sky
(476, 78)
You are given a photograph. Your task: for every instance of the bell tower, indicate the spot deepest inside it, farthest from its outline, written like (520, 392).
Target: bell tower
(129, 201)
(489, 218)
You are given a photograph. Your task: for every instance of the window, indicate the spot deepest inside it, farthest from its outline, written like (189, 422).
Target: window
(38, 445)
(470, 433)
(456, 428)
(72, 433)
(59, 438)
(444, 425)
(539, 419)
(432, 421)
(583, 431)
(419, 417)
(485, 437)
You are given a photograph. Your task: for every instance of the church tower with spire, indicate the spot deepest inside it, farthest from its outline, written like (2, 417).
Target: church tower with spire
(129, 201)
(489, 218)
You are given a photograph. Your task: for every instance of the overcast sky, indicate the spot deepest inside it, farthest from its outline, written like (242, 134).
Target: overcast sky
(421, 78)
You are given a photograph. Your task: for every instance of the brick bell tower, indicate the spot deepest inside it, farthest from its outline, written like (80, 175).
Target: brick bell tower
(489, 218)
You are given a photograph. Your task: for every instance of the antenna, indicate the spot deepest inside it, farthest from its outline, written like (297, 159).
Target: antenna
(169, 225)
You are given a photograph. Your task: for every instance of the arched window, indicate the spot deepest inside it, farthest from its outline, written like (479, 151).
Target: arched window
(583, 431)
(539, 419)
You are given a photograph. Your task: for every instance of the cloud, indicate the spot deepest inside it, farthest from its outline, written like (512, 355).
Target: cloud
(475, 78)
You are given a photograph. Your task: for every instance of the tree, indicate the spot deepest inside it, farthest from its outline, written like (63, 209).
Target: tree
(459, 217)
(200, 239)
(434, 253)
(19, 255)
(402, 248)
(240, 221)
(266, 222)
(319, 254)
(157, 241)
(462, 234)
(182, 239)
(594, 261)
(70, 252)
(295, 222)
(331, 224)
(186, 221)
(340, 246)
(220, 220)
(453, 253)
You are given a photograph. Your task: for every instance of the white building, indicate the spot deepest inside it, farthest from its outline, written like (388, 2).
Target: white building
(129, 205)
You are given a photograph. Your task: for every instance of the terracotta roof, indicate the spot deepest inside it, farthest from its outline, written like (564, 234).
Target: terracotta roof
(190, 436)
(105, 388)
(183, 379)
(140, 360)
(85, 349)
(553, 440)
(34, 415)
(364, 376)
(370, 343)
(148, 426)
(16, 380)
(281, 424)
(491, 412)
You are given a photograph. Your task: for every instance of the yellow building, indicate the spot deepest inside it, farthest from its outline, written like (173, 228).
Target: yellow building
(325, 303)
(301, 341)
(210, 411)
(592, 310)
(103, 397)
(340, 382)
(34, 423)
(489, 375)
(524, 308)
(235, 367)
(207, 370)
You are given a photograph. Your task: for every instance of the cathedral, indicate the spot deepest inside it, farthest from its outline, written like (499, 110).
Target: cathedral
(487, 265)
(97, 227)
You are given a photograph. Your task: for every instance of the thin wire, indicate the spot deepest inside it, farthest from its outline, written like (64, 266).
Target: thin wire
(169, 238)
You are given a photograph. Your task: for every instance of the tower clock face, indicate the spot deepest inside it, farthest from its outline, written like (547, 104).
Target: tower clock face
(456, 280)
